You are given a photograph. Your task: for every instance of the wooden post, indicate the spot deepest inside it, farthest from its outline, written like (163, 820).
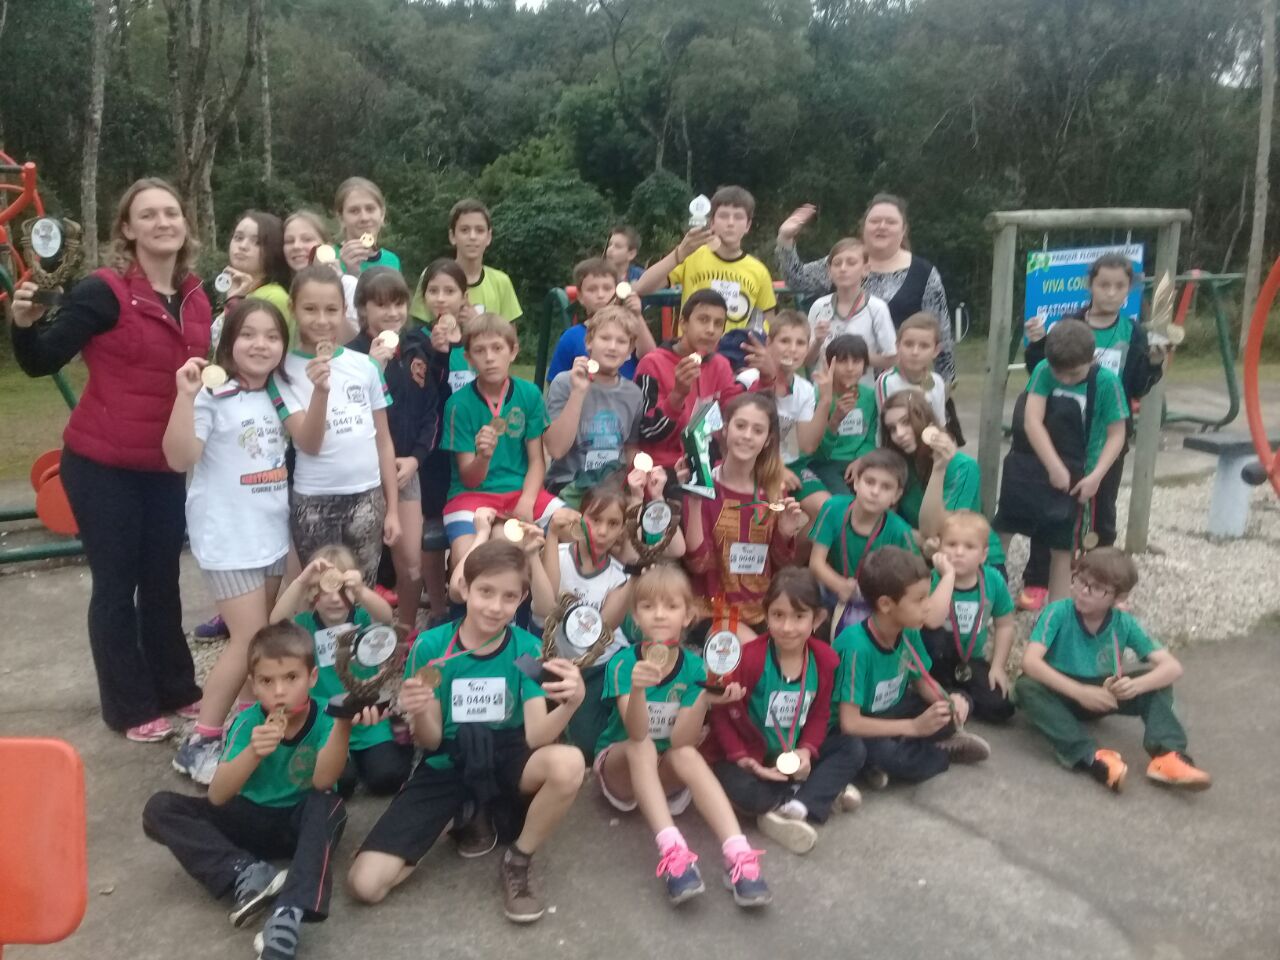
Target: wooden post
(990, 432)
(1147, 445)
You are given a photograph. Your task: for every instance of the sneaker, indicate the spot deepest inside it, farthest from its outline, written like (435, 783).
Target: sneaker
(198, 758)
(256, 884)
(387, 594)
(875, 778)
(965, 747)
(215, 629)
(153, 731)
(1108, 769)
(520, 902)
(743, 878)
(678, 803)
(1032, 598)
(278, 940)
(1177, 770)
(679, 869)
(476, 837)
(190, 712)
(796, 835)
(850, 799)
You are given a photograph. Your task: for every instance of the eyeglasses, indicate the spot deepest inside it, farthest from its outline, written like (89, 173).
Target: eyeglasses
(1089, 588)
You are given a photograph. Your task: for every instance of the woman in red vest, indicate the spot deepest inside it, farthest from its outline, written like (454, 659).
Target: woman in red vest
(135, 323)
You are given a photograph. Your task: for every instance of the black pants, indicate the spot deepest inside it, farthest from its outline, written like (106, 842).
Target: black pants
(132, 523)
(989, 706)
(1104, 525)
(912, 759)
(212, 842)
(838, 762)
(382, 768)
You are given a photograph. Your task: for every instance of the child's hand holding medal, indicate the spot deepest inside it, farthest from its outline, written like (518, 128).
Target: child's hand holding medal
(189, 377)
(484, 519)
(791, 516)
(268, 734)
(486, 441)
(417, 692)
(751, 765)
(318, 366)
(940, 442)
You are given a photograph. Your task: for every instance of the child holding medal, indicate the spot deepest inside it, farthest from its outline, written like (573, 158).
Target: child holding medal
(648, 757)
(771, 750)
(333, 403)
(224, 429)
(848, 406)
(362, 212)
(327, 599)
(737, 540)
(256, 267)
(488, 735)
(600, 286)
(963, 614)
(306, 242)
(919, 343)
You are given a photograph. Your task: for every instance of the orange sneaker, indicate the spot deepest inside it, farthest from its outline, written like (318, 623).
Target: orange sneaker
(1176, 770)
(1109, 769)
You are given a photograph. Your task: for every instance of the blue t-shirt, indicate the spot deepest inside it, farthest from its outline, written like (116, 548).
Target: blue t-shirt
(573, 344)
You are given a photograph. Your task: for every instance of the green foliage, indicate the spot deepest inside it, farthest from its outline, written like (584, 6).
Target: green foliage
(660, 211)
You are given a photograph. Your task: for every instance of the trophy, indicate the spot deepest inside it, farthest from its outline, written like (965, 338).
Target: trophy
(575, 630)
(699, 211)
(1162, 332)
(658, 519)
(48, 241)
(696, 439)
(374, 648)
(722, 654)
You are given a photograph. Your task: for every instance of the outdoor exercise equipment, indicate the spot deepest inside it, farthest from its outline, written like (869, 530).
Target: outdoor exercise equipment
(1268, 465)
(43, 867)
(52, 508)
(1196, 281)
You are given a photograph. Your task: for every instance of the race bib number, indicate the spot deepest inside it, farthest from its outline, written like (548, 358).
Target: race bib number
(852, 425)
(326, 643)
(1108, 359)
(662, 718)
(782, 708)
(747, 558)
(478, 700)
(888, 692)
(966, 614)
(460, 378)
(599, 458)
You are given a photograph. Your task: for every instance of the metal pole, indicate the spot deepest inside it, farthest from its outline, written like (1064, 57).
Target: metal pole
(1147, 445)
(990, 434)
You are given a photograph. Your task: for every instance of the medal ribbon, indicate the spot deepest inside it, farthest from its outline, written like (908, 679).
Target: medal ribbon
(967, 651)
(1082, 528)
(924, 674)
(866, 547)
(1115, 645)
(496, 408)
(448, 655)
(790, 741)
(589, 541)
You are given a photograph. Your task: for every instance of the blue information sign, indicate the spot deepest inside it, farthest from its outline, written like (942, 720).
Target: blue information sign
(1058, 281)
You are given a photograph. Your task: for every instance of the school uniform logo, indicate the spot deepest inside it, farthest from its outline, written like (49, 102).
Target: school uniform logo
(302, 765)
(355, 393)
(515, 422)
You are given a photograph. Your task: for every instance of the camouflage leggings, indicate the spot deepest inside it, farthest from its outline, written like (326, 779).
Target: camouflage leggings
(351, 519)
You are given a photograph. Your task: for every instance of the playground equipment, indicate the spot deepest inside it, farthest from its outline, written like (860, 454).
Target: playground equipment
(52, 508)
(43, 867)
(1212, 285)
(1268, 465)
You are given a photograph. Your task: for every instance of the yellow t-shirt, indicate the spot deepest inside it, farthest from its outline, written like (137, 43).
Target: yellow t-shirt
(492, 293)
(744, 283)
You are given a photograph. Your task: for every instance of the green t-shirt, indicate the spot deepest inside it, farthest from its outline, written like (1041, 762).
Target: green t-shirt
(1071, 649)
(461, 373)
(872, 677)
(855, 434)
(772, 706)
(961, 490)
(492, 293)
(1111, 346)
(385, 258)
(327, 682)
(285, 777)
(487, 689)
(1109, 404)
(845, 546)
(964, 609)
(467, 411)
(665, 700)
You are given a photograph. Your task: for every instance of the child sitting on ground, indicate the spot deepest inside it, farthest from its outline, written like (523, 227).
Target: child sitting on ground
(1074, 669)
(883, 691)
(919, 343)
(598, 288)
(271, 798)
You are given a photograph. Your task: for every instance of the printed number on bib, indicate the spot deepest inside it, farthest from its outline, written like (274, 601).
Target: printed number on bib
(600, 458)
(852, 425)
(460, 378)
(782, 708)
(478, 700)
(747, 558)
(326, 643)
(888, 692)
(662, 718)
(1109, 359)
(966, 613)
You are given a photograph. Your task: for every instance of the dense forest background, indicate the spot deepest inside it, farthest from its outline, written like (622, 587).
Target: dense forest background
(575, 114)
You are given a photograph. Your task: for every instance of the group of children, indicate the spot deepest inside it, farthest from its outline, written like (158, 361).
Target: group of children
(849, 596)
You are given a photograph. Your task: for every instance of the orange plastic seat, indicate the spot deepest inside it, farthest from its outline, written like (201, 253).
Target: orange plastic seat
(53, 508)
(50, 458)
(43, 870)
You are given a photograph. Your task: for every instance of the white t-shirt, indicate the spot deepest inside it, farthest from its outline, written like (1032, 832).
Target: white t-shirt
(238, 501)
(594, 590)
(891, 382)
(872, 322)
(348, 459)
(797, 406)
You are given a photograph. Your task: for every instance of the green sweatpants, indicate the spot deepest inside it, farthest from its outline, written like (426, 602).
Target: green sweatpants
(590, 719)
(1060, 719)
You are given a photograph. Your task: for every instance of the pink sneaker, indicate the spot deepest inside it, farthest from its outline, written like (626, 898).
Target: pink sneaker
(190, 712)
(153, 731)
(1032, 598)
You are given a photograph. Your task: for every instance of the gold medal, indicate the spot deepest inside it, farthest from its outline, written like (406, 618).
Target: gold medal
(447, 324)
(513, 530)
(1090, 540)
(697, 358)
(213, 376)
(430, 676)
(659, 654)
(787, 764)
(499, 425)
(642, 462)
(777, 507)
(331, 581)
(389, 339)
(930, 435)
(623, 290)
(323, 253)
(279, 719)
(325, 349)
(593, 367)
(368, 240)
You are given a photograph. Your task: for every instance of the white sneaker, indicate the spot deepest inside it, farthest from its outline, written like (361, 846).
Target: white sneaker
(965, 747)
(198, 758)
(850, 799)
(875, 778)
(796, 835)
(678, 803)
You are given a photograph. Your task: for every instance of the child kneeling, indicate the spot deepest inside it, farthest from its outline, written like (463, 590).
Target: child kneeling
(269, 799)
(1073, 670)
(771, 751)
(489, 738)
(648, 755)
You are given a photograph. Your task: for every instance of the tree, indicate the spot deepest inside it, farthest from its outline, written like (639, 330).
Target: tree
(264, 100)
(93, 129)
(1266, 107)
